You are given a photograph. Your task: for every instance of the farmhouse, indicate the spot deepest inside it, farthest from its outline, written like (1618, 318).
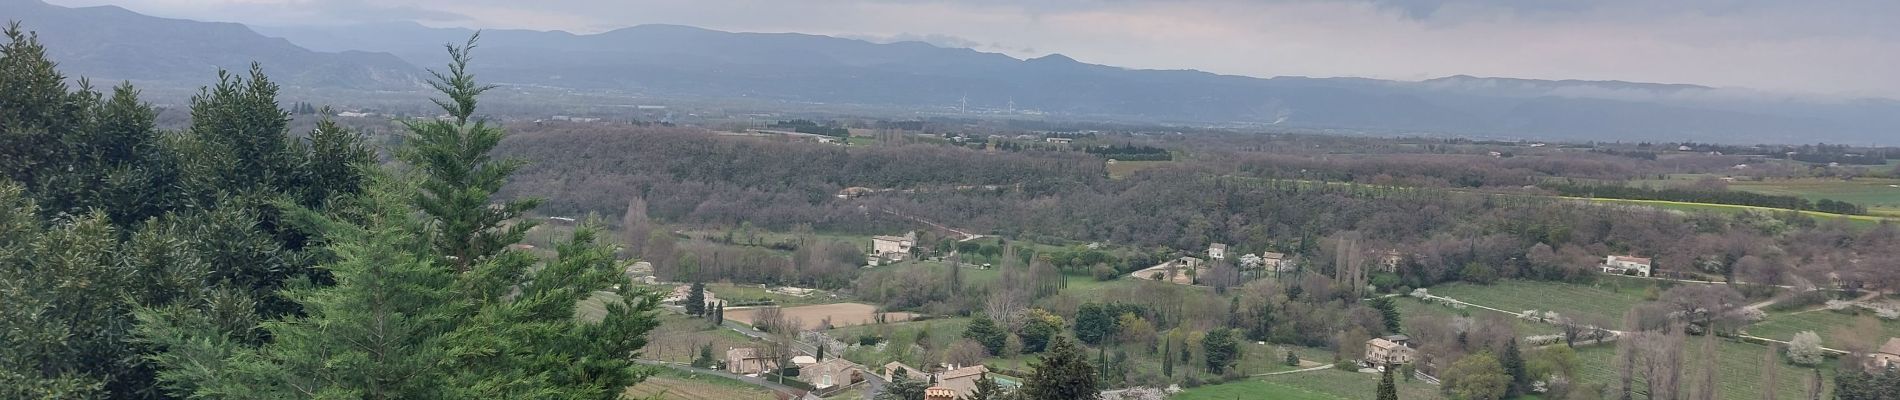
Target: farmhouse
(893, 248)
(1390, 260)
(832, 372)
(962, 381)
(1217, 251)
(680, 293)
(1395, 349)
(747, 361)
(1887, 357)
(1275, 262)
(1626, 265)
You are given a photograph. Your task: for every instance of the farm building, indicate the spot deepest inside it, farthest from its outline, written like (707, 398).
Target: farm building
(747, 361)
(1217, 251)
(1626, 265)
(832, 372)
(893, 248)
(1395, 349)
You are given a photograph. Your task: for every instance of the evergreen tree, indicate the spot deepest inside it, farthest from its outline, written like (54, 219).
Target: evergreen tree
(1513, 362)
(986, 389)
(695, 302)
(1292, 360)
(1388, 390)
(1389, 313)
(409, 317)
(1222, 350)
(984, 331)
(462, 179)
(902, 387)
(1167, 363)
(705, 359)
(1062, 374)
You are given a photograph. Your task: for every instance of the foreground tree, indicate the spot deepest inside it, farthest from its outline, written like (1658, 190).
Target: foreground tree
(1064, 373)
(1388, 389)
(411, 317)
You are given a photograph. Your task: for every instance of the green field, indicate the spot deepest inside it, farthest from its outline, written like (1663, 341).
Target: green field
(1739, 367)
(1322, 384)
(679, 337)
(1253, 389)
(1879, 195)
(1864, 221)
(1782, 326)
(1411, 309)
(1605, 301)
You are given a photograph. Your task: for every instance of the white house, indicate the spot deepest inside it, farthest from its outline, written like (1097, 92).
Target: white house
(893, 248)
(1217, 251)
(1626, 265)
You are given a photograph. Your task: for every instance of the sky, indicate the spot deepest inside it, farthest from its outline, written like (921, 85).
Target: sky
(1827, 47)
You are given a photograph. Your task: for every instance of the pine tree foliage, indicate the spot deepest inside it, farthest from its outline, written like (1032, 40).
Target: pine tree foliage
(462, 178)
(413, 316)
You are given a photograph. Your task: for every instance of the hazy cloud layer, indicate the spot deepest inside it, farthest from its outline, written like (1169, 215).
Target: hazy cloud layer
(1821, 46)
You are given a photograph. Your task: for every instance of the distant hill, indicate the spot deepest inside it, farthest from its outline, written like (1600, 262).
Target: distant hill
(111, 44)
(688, 62)
(667, 60)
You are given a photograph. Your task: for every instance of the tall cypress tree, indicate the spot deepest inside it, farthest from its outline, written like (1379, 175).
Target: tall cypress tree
(1167, 362)
(1513, 362)
(695, 302)
(1388, 390)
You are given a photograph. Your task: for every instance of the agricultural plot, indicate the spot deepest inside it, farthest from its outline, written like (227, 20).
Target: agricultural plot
(670, 384)
(1738, 371)
(1253, 389)
(1322, 384)
(1879, 195)
(1782, 326)
(815, 316)
(1411, 311)
(1605, 301)
(679, 337)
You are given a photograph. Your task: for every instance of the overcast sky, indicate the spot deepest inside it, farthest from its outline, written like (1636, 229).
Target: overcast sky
(1812, 46)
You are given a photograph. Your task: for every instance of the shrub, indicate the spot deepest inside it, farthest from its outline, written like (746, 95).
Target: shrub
(1805, 349)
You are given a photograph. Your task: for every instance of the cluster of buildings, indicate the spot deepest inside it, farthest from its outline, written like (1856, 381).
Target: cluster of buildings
(822, 375)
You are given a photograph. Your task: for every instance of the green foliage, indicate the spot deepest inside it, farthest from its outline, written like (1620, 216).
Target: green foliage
(1167, 363)
(705, 358)
(902, 387)
(1389, 313)
(1388, 389)
(1221, 349)
(1513, 363)
(986, 389)
(1292, 360)
(1064, 373)
(695, 302)
(1039, 327)
(1477, 377)
(411, 314)
(461, 176)
(984, 331)
(1095, 322)
(1860, 385)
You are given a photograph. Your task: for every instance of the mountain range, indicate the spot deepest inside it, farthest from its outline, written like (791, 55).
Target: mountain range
(670, 60)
